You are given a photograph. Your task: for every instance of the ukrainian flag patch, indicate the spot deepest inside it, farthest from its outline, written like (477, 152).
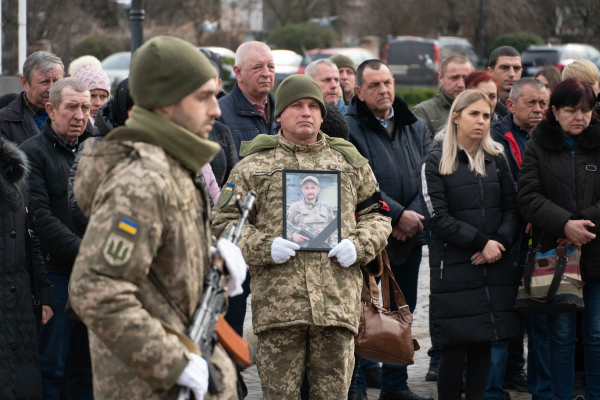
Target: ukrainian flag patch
(229, 187)
(128, 226)
(377, 187)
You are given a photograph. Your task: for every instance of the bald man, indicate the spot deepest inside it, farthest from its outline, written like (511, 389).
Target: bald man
(248, 109)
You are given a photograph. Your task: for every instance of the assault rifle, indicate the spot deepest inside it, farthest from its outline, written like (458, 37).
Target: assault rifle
(208, 326)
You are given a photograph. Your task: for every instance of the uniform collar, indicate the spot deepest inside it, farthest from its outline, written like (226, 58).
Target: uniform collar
(316, 147)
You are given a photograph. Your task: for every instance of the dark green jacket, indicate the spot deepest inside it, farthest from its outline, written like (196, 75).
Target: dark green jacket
(434, 111)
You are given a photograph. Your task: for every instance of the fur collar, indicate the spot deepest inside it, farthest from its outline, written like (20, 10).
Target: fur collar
(551, 137)
(13, 161)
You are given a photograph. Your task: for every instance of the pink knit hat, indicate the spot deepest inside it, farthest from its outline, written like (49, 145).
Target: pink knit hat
(94, 78)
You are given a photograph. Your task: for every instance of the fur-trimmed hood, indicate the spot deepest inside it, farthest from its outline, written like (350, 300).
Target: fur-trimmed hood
(13, 161)
(550, 136)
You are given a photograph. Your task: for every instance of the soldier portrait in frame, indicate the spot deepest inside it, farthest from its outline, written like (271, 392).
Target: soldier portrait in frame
(312, 209)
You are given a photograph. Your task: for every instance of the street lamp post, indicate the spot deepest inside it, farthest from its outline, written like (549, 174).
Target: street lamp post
(136, 17)
(481, 32)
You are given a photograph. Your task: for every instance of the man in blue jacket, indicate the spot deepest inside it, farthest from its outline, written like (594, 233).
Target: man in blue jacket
(395, 141)
(248, 109)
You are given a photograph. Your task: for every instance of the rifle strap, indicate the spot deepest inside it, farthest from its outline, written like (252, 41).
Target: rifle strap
(186, 341)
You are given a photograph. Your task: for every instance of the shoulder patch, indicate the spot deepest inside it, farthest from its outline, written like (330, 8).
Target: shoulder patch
(261, 142)
(377, 187)
(225, 195)
(117, 250)
(348, 150)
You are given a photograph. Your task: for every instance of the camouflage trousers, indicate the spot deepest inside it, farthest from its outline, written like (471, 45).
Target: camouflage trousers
(326, 353)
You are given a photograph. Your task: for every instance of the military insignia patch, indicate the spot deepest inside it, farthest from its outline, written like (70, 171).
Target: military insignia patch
(128, 226)
(225, 195)
(377, 187)
(117, 250)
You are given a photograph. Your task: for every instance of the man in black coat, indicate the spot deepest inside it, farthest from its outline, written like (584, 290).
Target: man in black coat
(527, 102)
(395, 142)
(51, 155)
(24, 117)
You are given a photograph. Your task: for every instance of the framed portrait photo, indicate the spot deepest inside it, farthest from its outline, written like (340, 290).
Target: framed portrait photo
(312, 208)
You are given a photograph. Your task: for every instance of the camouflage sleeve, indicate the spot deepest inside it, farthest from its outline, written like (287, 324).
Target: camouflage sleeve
(372, 229)
(255, 245)
(121, 240)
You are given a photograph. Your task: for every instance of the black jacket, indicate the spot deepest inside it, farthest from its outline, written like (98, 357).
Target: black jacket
(242, 118)
(225, 159)
(16, 123)
(552, 186)
(51, 162)
(20, 259)
(470, 303)
(395, 162)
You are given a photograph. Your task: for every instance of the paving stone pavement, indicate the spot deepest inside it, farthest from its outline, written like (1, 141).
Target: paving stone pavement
(420, 331)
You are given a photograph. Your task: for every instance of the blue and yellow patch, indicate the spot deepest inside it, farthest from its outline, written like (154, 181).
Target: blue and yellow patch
(128, 226)
(229, 187)
(225, 196)
(377, 187)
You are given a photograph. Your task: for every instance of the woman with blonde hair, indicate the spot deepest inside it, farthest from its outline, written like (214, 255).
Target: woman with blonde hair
(469, 203)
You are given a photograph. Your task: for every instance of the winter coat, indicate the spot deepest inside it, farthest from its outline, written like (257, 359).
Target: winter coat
(16, 123)
(470, 303)
(242, 118)
(310, 288)
(51, 162)
(395, 162)
(20, 258)
(552, 187)
(226, 159)
(434, 111)
(504, 133)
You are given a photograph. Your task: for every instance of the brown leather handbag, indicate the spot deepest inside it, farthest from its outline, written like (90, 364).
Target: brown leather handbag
(383, 335)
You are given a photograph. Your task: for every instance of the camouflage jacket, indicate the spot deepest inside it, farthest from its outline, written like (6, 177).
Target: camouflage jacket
(311, 217)
(309, 288)
(142, 260)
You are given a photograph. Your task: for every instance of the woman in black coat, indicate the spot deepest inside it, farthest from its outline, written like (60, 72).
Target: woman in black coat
(22, 276)
(469, 203)
(561, 158)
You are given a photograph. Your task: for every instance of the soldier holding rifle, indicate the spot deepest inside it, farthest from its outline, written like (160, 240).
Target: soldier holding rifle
(140, 271)
(305, 306)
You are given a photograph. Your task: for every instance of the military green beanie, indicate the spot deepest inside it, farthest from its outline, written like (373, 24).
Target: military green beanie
(166, 69)
(296, 87)
(343, 61)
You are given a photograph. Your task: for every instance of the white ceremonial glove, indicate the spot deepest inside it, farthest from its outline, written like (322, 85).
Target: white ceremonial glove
(345, 251)
(195, 376)
(282, 250)
(236, 265)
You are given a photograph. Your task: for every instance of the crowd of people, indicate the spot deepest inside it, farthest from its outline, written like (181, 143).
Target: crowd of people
(110, 200)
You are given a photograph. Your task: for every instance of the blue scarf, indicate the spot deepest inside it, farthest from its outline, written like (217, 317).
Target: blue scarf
(40, 118)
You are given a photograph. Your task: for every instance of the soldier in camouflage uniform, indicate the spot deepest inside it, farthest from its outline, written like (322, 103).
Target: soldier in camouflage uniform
(310, 214)
(305, 306)
(139, 273)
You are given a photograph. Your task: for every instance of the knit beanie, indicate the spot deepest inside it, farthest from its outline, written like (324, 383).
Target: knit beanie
(166, 69)
(94, 78)
(334, 124)
(343, 61)
(296, 87)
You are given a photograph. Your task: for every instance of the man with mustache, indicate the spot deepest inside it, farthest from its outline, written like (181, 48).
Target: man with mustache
(248, 109)
(305, 305)
(51, 155)
(394, 141)
(505, 65)
(25, 116)
(527, 103)
(309, 214)
(327, 76)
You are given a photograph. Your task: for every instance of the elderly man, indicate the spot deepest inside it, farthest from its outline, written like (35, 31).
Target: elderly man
(305, 306)
(347, 70)
(452, 74)
(527, 103)
(25, 116)
(394, 141)
(51, 155)
(327, 76)
(140, 270)
(248, 109)
(505, 65)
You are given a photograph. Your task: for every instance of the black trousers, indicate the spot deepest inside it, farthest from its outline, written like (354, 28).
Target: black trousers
(450, 371)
